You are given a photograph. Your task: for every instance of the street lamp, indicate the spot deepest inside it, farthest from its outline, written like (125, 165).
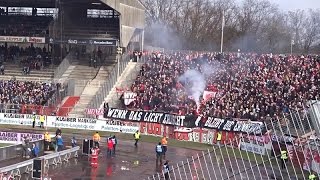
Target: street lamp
(222, 31)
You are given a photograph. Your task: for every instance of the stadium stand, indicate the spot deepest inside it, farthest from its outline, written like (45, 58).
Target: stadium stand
(75, 46)
(249, 87)
(19, 25)
(19, 96)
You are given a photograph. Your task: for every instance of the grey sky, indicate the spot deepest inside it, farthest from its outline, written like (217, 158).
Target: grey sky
(297, 4)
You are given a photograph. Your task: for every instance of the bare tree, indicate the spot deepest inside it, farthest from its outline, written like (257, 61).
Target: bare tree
(311, 29)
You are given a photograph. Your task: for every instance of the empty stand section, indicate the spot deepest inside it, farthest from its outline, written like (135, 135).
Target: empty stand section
(21, 25)
(87, 21)
(67, 105)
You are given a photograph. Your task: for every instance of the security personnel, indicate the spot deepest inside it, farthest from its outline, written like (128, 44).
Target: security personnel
(284, 158)
(159, 153)
(96, 139)
(47, 141)
(94, 157)
(136, 137)
(33, 119)
(42, 121)
(219, 137)
(164, 143)
(312, 177)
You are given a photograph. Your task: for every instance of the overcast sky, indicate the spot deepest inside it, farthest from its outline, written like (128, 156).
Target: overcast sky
(297, 4)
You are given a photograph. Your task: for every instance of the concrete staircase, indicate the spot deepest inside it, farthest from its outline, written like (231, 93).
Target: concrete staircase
(126, 79)
(91, 87)
(15, 70)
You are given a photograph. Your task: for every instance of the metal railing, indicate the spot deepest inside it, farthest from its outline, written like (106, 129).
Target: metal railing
(16, 170)
(64, 65)
(109, 83)
(231, 161)
(14, 151)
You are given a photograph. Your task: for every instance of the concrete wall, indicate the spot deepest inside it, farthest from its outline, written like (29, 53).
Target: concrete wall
(132, 17)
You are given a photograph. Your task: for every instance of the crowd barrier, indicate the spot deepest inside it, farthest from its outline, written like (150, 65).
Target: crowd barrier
(14, 151)
(16, 170)
(259, 144)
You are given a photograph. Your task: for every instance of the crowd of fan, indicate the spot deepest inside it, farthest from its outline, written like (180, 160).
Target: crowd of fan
(250, 86)
(29, 58)
(14, 94)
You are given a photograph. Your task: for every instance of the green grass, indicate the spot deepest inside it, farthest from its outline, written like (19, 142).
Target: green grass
(4, 144)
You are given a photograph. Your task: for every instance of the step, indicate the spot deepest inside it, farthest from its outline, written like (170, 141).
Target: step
(26, 78)
(16, 74)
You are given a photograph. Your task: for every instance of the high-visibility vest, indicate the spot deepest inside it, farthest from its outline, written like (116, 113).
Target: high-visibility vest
(96, 137)
(33, 117)
(219, 137)
(137, 135)
(47, 137)
(164, 141)
(41, 118)
(312, 177)
(159, 148)
(284, 155)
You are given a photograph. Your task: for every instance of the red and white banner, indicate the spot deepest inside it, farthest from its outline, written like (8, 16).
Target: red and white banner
(207, 95)
(96, 112)
(129, 97)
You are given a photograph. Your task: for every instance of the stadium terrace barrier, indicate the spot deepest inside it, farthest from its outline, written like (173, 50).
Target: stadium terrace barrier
(14, 151)
(16, 170)
(267, 143)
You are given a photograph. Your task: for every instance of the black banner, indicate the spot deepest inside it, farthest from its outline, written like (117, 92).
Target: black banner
(142, 116)
(249, 127)
(246, 126)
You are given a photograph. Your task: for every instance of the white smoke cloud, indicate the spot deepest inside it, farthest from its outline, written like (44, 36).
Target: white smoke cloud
(195, 84)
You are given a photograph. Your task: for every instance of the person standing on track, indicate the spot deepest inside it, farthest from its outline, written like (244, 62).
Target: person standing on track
(47, 141)
(164, 143)
(115, 142)
(284, 158)
(42, 118)
(94, 157)
(136, 136)
(109, 147)
(159, 153)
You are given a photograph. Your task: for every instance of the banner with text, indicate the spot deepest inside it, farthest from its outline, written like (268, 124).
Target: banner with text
(72, 123)
(17, 138)
(249, 127)
(21, 39)
(246, 126)
(143, 116)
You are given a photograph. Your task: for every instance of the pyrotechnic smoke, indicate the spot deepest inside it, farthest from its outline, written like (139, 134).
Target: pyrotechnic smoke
(195, 84)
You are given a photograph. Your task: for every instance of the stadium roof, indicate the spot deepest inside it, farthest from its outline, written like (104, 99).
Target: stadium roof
(94, 4)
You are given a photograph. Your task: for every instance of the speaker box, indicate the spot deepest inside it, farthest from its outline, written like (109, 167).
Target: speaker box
(38, 168)
(86, 146)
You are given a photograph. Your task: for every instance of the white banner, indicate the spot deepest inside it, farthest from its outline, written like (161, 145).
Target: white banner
(129, 97)
(255, 148)
(207, 95)
(17, 138)
(66, 122)
(22, 39)
(255, 144)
